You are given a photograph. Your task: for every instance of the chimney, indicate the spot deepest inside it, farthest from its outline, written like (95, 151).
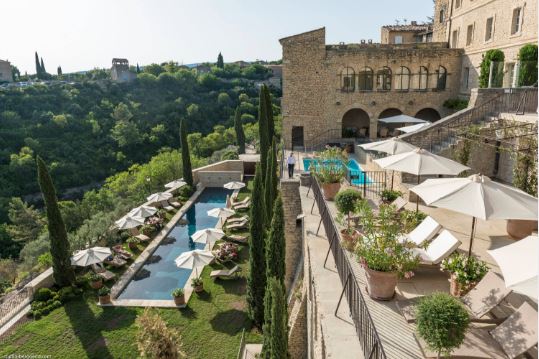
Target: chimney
(413, 23)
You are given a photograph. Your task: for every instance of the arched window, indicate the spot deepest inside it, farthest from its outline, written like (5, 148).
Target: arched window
(423, 78)
(442, 15)
(383, 79)
(348, 79)
(442, 78)
(365, 79)
(403, 79)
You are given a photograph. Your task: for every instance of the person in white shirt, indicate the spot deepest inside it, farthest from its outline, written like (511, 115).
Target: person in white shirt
(291, 161)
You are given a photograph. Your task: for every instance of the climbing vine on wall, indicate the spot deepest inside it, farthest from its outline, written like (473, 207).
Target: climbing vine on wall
(463, 152)
(525, 169)
(527, 55)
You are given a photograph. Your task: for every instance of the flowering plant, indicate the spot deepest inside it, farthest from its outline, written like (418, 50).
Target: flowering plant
(227, 252)
(329, 167)
(466, 270)
(380, 249)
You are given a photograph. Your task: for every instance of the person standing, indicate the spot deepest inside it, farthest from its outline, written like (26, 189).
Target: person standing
(291, 161)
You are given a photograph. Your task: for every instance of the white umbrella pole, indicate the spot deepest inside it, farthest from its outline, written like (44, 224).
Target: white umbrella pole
(417, 197)
(472, 235)
(392, 176)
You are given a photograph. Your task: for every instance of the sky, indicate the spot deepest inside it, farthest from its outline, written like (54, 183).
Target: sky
(83, 34)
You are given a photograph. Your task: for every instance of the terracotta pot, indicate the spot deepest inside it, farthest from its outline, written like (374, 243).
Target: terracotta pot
(520, 228)
(457, 289)
(179, 300)
(105, 299)
(199, 288)
(381, 285)
(96, 284)
(330, 190)
(132, 246)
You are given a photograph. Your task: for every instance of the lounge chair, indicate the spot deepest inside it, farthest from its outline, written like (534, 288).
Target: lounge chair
(174, 203)
(242, 206)
(238, 238)
(225, 273)
(231, 220)
(511, 339)
(440, 248)
(243, 201)
(423, 232)
(115, 261)
(118, 249)
(239, 225)
(399, 203)
(479, 301)
(102, 272)
(142, 237)
(167, 206)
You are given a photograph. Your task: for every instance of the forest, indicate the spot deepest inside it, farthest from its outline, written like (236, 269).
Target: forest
(122, 139)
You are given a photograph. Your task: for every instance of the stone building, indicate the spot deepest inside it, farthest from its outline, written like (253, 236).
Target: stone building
(120, 71)
(346, 88)
(480, 25)
(5, 71)
(276, 75)
(406, 34)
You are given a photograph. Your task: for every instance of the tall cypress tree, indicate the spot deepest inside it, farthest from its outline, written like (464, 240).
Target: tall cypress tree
(269, 114)
(59, 70)
(276, 334)
(238, 127)
(220, 62)
(263, 128)
(276, 243)
(266, 328)
(61, 255)
(43, 71)
(38, 66)
(186, 158)
(270, 185)
(256, 282)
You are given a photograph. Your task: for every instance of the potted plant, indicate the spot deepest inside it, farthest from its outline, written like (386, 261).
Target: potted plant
(441, 322)
(389, 195)
(381, 254)
(96, 281)
(133, 242)
(346, 202)
(197, 284)
(329, 169)
(465, 271)
(179, 296)
(104, 295)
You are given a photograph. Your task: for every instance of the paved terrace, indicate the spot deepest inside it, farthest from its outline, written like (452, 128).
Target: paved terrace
(396, 334)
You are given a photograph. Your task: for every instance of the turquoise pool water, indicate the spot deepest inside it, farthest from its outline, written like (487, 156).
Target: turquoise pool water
(159, 275)
(356, 174)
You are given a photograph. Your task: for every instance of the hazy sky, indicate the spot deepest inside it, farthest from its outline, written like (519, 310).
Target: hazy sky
(81, 35)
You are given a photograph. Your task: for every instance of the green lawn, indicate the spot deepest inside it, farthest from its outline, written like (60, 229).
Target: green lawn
(210, 326)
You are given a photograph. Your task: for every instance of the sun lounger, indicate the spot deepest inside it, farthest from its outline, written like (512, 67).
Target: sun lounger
(423, 232)
(174, 203)
(142, 237)
(479, 301)
(231, 220)
(239, 225)
(115, 261)
(225, 273)
(243, 201)
(399, 203)
(167, 206)
(242, 206)
(514, 337)
(238, 238)
(440, 248)
(118, 249)
(102, 272)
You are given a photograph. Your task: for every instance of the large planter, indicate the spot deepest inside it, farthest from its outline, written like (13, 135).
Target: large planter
(104, 299)
(96, 284)
(179, 300)
(457, 289)
(330, 190)
(381, 285)
(199, 288)
(520, 228)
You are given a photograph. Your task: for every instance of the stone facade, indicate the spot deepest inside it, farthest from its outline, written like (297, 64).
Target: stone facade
(328, 88)
(405, 34)
(5, 71)
(293, 231)
(119, 71)
(480, 25)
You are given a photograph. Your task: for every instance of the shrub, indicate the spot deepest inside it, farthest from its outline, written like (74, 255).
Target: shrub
(389, 195)
(456, 104)
(147, 229)
(497, 75)
(67, 294)
(94, 277)
(43, 294)
(195, 282)
(330, 168)
(411, 219)
(45, 260)
(178, 292)
(103, 291)
(467, 270)
(133, 240)
(185, 192)
(527, 56)
(155, 339)
(442, 322)
(346, 200)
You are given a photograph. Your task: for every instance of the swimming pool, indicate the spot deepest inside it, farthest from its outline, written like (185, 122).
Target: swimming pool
(159, 275)
(356, 175)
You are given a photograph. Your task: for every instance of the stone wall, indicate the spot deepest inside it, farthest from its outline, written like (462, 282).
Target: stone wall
(293, 231)
(5, 71)
(217, 174)
(312, 82)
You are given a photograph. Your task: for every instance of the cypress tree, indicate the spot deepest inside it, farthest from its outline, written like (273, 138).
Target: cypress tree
(276, 244)
(256, 282)
(186, 158)
(38, 66)
(138, 69)
(269, 113)
(266, 328)
(238, 127)
(59, 70)
(276, 335)
(263, 128)
(270, 186)
(220, 62)
(61, 257)
(43, 71)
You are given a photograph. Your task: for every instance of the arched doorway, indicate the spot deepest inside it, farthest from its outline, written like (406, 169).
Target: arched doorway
(428, 114)
(355, 123)
(386, 129)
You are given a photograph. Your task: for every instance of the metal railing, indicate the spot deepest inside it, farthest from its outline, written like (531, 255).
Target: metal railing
(365, 329)
(242, 345)
(12, 303)
(371, 183)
